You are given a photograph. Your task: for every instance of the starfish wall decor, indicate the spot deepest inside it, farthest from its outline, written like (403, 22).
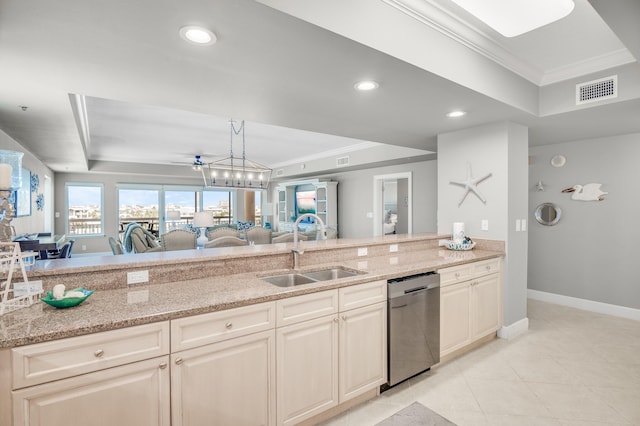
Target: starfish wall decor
(471, 185)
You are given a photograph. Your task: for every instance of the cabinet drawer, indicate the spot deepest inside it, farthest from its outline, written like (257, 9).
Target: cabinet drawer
(191, 332)
(360, 295)
(306, 307)
(44, 362)
(455, 274)
(486, 267)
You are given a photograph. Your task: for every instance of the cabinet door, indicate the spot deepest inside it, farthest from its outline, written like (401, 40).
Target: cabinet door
(226, 383)
(363, 350)
(486, 310)
(455, 327)
(307, 369)
(134, 394)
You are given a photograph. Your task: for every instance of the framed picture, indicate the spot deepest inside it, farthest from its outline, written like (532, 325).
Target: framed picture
(23, 195)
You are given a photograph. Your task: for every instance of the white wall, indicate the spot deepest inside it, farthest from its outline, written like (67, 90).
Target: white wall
(36, 221)
(499, 149)
(592, 253)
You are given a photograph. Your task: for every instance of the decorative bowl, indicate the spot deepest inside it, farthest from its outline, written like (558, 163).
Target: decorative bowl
(66, 302)
(452, 245)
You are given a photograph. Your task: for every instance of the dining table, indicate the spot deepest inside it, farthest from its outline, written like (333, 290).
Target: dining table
(41, 243)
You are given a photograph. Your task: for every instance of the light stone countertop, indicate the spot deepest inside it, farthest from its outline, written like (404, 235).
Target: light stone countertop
(111, 309)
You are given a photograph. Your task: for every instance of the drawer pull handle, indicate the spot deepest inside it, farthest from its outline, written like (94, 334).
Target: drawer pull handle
(228, 325)
(163, 365)
(98, 353)
(178, 361)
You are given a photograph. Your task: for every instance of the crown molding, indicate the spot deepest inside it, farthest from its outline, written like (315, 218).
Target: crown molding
(588, 66)
(438, 18)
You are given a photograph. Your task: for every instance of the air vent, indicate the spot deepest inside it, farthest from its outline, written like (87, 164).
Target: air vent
(280, 172)
(342, 161)
(597, 90)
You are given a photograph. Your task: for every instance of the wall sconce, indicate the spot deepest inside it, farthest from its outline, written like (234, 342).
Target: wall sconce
(10, 180)
(539, 186)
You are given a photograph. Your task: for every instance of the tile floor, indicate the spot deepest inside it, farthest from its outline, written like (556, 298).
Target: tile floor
(571, 368)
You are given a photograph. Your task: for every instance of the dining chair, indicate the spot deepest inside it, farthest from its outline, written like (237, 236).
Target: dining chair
(178, 239)
(222, 232)
(257, 235)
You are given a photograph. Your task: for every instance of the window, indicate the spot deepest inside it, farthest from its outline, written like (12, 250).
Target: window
(84, 209)
(220, 203)
(140, 206)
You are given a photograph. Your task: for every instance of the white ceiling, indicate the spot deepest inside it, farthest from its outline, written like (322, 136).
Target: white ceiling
(112, 82)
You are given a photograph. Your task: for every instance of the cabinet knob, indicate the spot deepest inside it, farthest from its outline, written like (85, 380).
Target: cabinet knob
(335, 319)
(488, 267)
(344, 318)
(178, 361)
(163, 365)
(228, 325)
(457, 274)
(98, 353)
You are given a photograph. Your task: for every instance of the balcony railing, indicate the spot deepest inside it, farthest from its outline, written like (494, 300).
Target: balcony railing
(94, 226)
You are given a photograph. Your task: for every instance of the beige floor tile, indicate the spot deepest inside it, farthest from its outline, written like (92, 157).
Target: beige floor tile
(541, 369)
(511, 420)
(624, 401)
(575, 402)
(507, 397)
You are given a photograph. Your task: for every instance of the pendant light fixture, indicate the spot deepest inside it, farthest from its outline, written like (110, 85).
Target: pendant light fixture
(236, 172)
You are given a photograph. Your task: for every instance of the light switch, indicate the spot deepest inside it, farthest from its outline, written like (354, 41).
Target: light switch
(484, 225)
(524, 225)
(518, 225)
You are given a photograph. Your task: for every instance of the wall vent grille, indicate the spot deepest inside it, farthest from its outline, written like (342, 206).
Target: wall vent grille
(597, 90)
(280, 172)
(342, 161)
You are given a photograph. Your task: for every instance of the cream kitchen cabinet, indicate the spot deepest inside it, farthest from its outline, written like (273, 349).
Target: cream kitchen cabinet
(223, 367)
(470, 304)
(332, 349)
(114, 377)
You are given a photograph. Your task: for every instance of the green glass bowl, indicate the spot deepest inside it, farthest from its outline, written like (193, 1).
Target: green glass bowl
(68, 302)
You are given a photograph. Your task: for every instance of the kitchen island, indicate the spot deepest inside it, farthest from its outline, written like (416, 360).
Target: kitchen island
(209, 287)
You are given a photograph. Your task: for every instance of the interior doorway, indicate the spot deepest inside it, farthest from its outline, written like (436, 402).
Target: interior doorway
(392, 211)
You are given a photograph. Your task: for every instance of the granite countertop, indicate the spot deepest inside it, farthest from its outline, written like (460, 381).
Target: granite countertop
(113, 309)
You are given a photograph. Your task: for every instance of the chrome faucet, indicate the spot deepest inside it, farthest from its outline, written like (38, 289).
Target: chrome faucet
(297, 250)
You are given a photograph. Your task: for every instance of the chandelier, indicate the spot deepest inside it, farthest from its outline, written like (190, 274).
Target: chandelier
(236, 172)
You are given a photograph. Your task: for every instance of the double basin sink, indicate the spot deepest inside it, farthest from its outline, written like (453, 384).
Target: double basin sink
(296, 278)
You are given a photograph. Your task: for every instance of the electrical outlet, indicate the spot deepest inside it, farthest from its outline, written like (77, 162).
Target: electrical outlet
(362, 251)
(84, 247)
(518, 225)
(524, 225)
(136, 277)
(484, 225)
(393, 248)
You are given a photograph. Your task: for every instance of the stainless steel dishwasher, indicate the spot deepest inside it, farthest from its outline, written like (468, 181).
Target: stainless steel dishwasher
(413, 325)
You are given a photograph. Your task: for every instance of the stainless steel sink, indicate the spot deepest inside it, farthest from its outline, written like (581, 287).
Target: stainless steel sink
(330, 274)
(288, 280)
(296, 278)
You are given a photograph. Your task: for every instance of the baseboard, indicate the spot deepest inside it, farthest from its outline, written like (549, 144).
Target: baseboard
(513, 330)
(584, 304)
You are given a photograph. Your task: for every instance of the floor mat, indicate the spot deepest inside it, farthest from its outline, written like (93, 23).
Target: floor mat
(416, 415)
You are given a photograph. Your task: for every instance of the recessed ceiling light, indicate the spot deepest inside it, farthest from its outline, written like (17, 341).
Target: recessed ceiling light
(514, 17)
(198, 35)
(366, 85)
(455, 114)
